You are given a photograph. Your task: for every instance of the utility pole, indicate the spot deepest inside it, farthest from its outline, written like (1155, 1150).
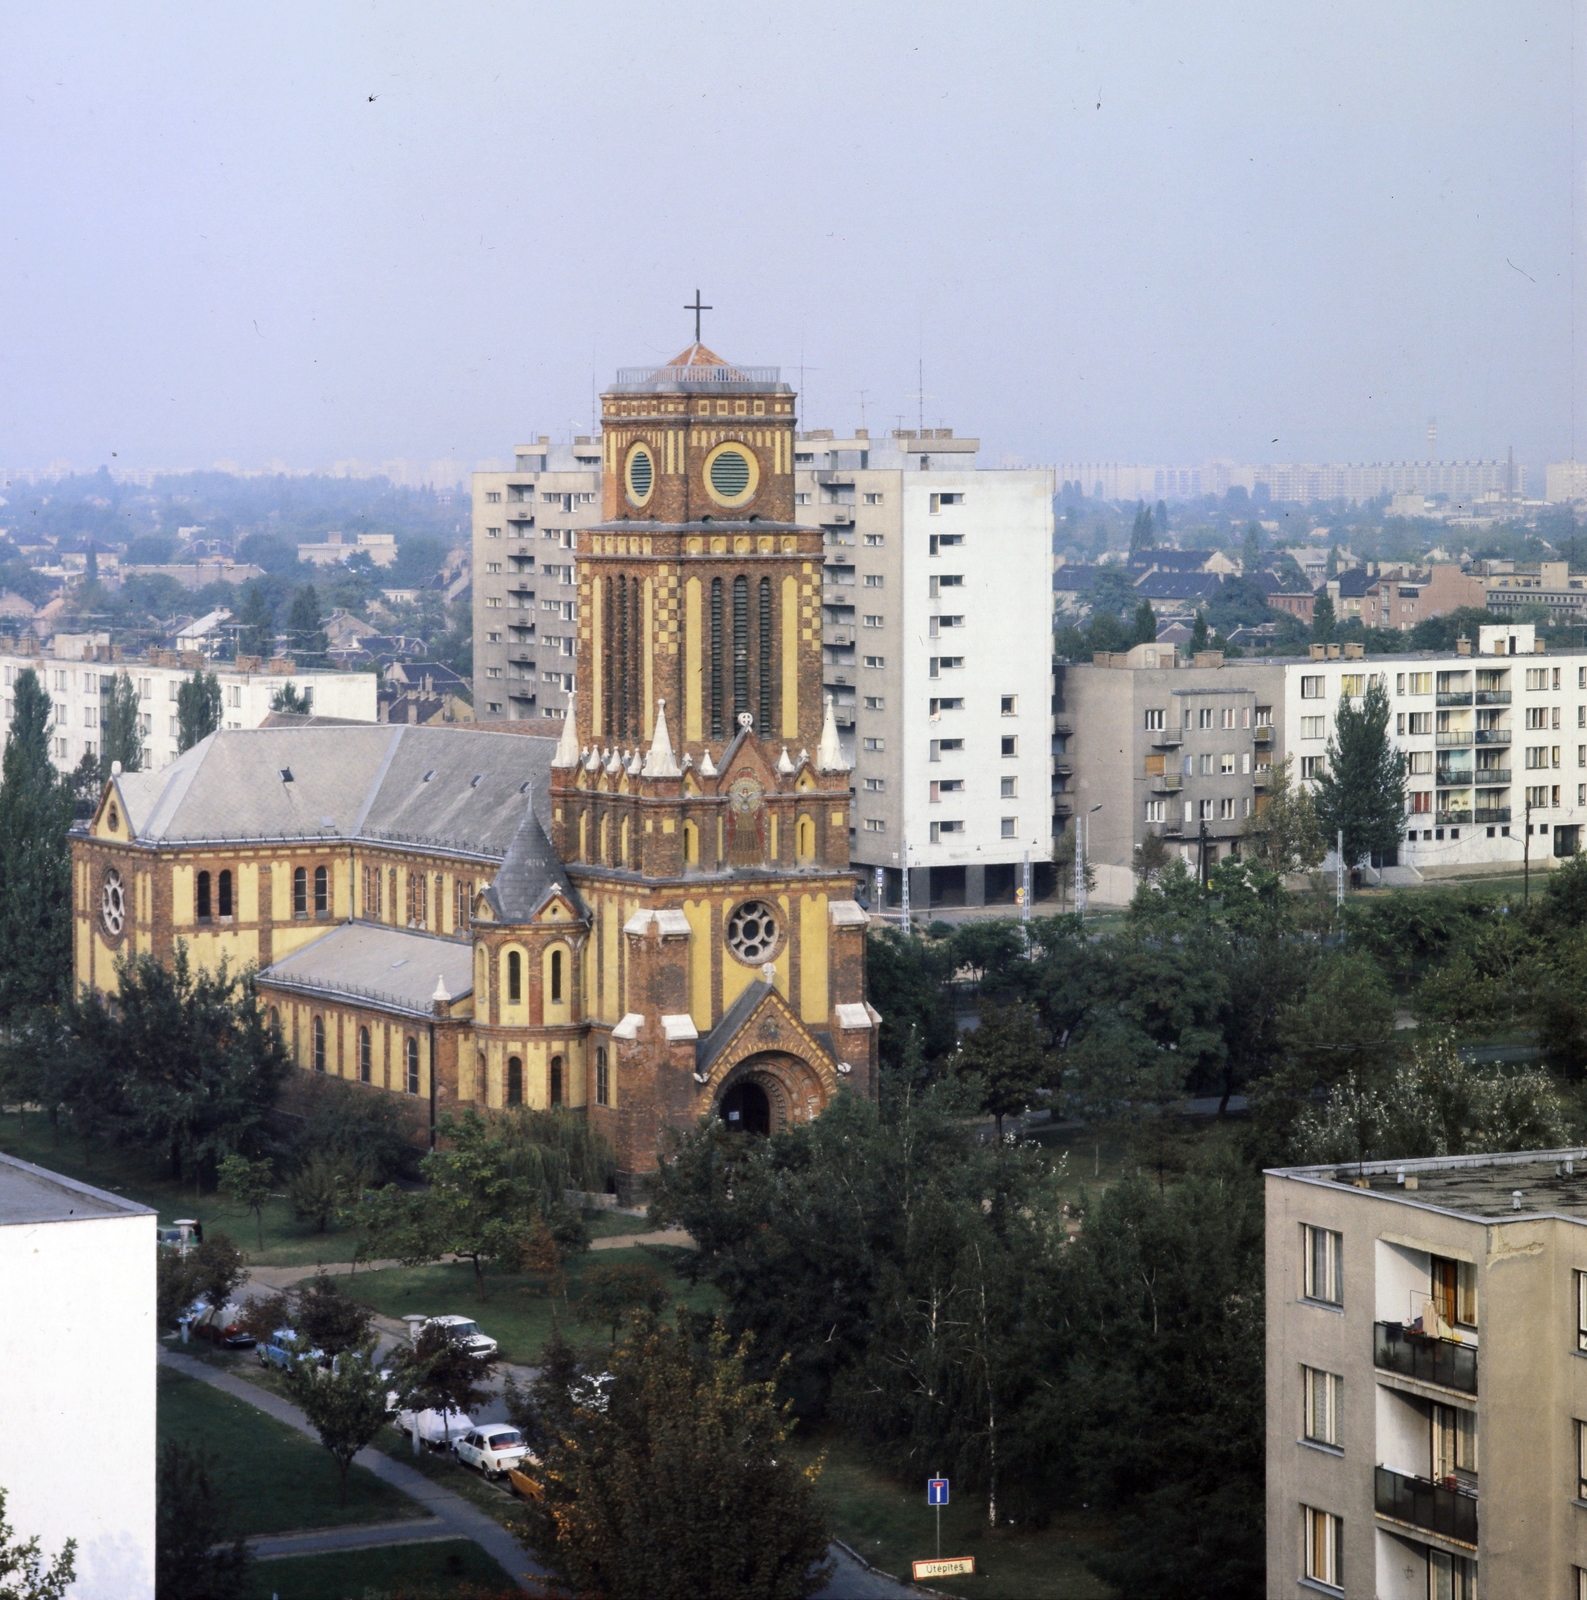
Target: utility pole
(1201, 854)
(1339, 891)
(1526, 858)
(1024, 902)
(903, 897)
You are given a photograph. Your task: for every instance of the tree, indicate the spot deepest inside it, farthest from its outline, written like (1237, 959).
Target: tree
(1361, 791)
(256, 623)
(303, 624)
(324, 1184)
(1251, 550)
(1198, 631)
(35, 859)
(291, 699)
(346, 1406)
(217, 1270)
(247, 1184)
(23, 1574)
(1323, 626)
(1151, 856)
(121, 727)
(197, 1555)
(681, 1487)
(1145, 623)
(438, 1372)
(197, 708)
(1333, 561)
(193, 1063)
(1161, 520)
(1283, 832)
(1142, 535)
(1007, 1054)
(328, 1318)
(174, 1288)
(612, 1291)
(907, 977)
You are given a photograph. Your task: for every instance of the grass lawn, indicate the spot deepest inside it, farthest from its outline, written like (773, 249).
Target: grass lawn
(517, 1310)
(495, 1500)
(890, 1525)
(610, 1224)
(440, 1571)
(287, 1242)
(276, 1479)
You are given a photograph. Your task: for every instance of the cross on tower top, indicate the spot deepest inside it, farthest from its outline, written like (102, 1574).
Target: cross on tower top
(697, 308)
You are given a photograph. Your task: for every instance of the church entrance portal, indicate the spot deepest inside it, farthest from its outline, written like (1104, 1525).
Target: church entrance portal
(745, 1108)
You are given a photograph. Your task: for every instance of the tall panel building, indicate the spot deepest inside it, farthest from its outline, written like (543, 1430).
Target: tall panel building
(525, 530)
(937, 654)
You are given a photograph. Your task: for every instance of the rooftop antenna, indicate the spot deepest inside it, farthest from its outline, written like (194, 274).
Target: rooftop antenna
(697, 308)
(1432, 440)
(863, 393)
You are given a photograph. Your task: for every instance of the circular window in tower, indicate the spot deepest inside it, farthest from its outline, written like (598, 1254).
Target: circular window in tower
(113, 904)
(641, 474)
(732, 474)
(752, 932)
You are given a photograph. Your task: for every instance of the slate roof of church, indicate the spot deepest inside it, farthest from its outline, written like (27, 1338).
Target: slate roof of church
(449, 789)
(395, 967)
(528, 874)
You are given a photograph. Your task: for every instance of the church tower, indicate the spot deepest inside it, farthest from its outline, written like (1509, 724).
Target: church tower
(700, 796)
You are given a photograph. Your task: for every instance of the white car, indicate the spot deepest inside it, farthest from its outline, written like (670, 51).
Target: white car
(494, 1448)
(434, 1428)
(464, 1331)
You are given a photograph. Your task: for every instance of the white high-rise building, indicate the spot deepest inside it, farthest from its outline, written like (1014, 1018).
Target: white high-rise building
(937, 655)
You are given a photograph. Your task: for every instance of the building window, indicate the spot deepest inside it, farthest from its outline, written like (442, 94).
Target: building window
(1320, 1425)
(317, 1033)
(203, 909)
(603, 1081)
(514, 1081)
(873, 745)
(556, 1080)
(1204, 811)
(876, 661)
(300, 892)
(1314, 727)
(876, 702)
(1419, 723)
(514, 978)
(223, 894)
(392, 887)
(1451, 1577)
(1009, 827)
(411, 1053)
(1204, 717)
(1311, 688)
(1311, 766)
(1226, 763)
(1324, 1557)
(556, 977)
(1008, 788)
(1008, 745)
(873, 580)
(872, 621)
(1324, 1267)
(1154, 721)
(1154, 811)
(363, 1055)
(322, 892)
(1226, 808)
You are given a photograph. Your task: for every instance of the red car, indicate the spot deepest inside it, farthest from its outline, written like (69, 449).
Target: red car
(223, 1328)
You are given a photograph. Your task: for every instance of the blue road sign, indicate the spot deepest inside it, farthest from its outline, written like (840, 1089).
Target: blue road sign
(936, 1491)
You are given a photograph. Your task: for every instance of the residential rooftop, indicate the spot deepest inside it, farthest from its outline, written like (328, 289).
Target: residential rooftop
(1481, 1188)
(30, 1194)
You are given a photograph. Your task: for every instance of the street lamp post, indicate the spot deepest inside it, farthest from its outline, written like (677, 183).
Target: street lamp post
(1082, 851)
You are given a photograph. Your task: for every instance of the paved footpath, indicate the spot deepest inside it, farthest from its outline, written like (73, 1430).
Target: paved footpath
(451, 1516)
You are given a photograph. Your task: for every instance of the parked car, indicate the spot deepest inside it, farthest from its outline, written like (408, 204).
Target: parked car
(435, 1428)
(493, 1448)
(464, 1331)
(223, 1328)
(281, 1350)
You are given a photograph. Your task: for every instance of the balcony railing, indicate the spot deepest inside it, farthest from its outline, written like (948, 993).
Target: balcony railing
(1448, 741)
(1492, 777)
(1461, 698)
(1493, 697)
(1415, 1355)
(1262, 778)
(1451, 816)
(1166, 782)
(1425, 1504)
(1263, 733)
(1166, 737)
(1493, 735)
(1491, 814)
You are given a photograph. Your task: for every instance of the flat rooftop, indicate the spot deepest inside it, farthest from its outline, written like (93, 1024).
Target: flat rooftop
(30, 1194)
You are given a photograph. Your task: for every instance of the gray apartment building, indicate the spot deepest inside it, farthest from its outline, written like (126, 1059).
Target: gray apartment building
(1146, 742)
(525, 530)
(1426, 1380)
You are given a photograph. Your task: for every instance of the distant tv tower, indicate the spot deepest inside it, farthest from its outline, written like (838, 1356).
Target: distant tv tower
(1432, 438)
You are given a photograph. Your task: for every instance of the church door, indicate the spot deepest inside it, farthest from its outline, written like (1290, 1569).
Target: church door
(745, 1108)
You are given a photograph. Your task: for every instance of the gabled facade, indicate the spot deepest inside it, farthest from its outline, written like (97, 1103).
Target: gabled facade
(646, 930)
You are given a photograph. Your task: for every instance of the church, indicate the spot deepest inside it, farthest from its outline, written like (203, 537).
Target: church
(647, 920)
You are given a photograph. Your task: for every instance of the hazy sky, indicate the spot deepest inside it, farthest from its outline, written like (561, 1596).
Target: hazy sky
(1147, 232)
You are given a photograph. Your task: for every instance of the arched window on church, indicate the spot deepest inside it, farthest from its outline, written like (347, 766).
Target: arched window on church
(514, 1081)
(556, 977)
(273, 1017)
(763, 650)
(691, 845)
(514, 978)
(740, 646)
(202, 897)
(318, 1049)
(363, 1055)
(603, 1082)
(300, 892)
(805, 839)
(411, 1052)
(223, 894)
(556, 1080)
(716, 658)
(322, 892)
(391, 898)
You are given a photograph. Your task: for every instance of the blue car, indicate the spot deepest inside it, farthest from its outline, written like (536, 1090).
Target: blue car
(281, 1350)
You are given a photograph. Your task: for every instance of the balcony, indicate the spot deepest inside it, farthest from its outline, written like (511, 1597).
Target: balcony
(1263, 733)
(1262, 778)
(1167, 738)
(1460, 698)
(520, 513)
(1063, 727)
(1456, 817)
(1173, 830)
(1493, 697)
(1064, 767)
(1063, 805)
(1493, 735)
(839, 636)
(1414, 1355)
(1491, 814)
(1455, 741)
(1166, 782)
(1424, 1504)
(1491, 777)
